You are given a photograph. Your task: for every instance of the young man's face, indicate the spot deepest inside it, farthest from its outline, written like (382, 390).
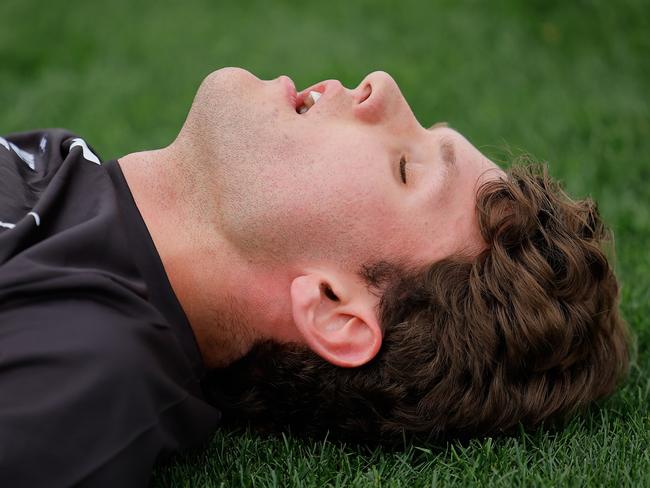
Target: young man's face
(331, 184)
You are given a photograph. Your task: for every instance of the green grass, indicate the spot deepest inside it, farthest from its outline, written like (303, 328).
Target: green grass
(566, 81)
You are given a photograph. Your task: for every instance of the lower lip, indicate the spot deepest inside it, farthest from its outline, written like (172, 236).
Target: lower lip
(290, 89)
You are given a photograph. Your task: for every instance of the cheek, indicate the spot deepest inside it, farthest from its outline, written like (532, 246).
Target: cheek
(369, 220)
(331, 191)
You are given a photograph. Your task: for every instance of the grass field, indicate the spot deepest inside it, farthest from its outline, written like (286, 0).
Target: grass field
(567, 82)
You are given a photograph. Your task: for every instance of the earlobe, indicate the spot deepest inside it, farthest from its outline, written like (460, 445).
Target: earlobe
(342, 326)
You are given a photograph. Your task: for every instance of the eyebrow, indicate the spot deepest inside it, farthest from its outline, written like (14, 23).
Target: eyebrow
(447, 149)
(448, 156)
(448, 152)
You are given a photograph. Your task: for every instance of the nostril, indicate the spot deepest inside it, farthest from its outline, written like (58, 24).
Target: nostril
(365, 93)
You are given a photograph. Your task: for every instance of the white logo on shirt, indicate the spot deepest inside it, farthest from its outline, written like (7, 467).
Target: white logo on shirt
(87, 153)
(7, 225)
(37, 218)
(28, 158)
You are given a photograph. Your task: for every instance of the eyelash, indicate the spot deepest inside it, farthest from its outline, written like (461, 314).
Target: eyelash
(402, 169)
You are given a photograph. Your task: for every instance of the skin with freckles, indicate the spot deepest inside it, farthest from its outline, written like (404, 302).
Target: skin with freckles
(259, 212)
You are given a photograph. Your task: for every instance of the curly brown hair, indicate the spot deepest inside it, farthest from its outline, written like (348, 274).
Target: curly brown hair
(526, 332)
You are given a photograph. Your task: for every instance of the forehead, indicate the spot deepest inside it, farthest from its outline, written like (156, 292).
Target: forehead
(466, 168)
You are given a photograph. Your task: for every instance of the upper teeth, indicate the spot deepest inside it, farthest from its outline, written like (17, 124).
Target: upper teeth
(310, 100)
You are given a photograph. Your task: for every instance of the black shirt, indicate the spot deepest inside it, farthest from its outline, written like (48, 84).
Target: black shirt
(99, 369)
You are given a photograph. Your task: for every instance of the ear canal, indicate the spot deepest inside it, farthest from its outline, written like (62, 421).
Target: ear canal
(327, 291)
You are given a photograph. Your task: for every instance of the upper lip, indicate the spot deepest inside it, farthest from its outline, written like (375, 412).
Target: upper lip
(321, 87)
(297, 99)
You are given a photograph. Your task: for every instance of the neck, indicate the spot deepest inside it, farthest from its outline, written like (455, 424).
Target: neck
(224, 296)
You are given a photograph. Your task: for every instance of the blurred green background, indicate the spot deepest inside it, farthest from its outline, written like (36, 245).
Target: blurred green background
(564, 81)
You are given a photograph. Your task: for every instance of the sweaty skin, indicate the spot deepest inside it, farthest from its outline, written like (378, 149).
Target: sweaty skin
(258, 212)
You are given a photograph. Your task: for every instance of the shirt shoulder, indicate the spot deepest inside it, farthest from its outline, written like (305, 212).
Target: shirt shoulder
(83, 387)
(119, 340)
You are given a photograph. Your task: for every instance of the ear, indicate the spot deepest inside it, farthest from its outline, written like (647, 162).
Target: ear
(336, 316)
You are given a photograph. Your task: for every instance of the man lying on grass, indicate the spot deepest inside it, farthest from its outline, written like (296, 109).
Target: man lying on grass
(334, 264)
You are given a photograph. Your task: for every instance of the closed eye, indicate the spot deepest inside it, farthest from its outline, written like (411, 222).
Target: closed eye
(402, 169)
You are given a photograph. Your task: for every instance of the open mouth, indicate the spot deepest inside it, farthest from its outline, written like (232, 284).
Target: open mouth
(303, 104)
(306, 99)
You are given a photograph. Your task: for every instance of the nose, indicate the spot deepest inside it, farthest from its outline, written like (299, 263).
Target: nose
(378, 98)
